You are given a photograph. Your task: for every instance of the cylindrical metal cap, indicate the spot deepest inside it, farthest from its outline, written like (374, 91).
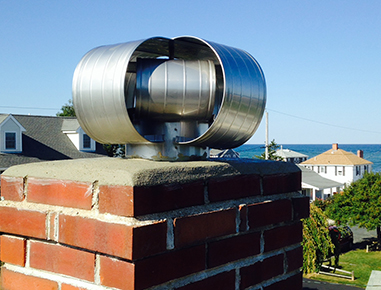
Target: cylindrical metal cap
(170, 95)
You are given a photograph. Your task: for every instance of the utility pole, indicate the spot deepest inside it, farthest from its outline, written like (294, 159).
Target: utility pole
(267, 136)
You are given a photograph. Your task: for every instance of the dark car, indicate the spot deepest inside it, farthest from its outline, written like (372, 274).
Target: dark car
(346, 239)
(344, 236)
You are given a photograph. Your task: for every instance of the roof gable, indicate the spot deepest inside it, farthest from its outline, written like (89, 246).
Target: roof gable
(70, 125)
(336, 157)
(4, 119)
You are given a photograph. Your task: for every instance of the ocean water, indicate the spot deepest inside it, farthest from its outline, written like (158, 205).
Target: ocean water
(372, 152)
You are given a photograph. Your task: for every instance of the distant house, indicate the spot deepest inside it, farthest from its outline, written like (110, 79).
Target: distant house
(315, 186)
(339, 165)
(291, 156)
(26, 139)
(227, 153)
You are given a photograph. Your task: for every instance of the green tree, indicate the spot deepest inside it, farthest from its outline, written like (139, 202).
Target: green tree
(67, 110)
(272, 147)
(317, 243)
(359, 204)
(115, 150)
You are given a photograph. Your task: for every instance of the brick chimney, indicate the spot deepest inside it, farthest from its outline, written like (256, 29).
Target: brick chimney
(360, 153)
(335, 146)
(214, 229)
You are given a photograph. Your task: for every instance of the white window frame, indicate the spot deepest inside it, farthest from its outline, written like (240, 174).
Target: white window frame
(81, 144)
(5, 141)
(83, 141)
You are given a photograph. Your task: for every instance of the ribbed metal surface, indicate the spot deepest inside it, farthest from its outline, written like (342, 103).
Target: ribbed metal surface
(171, 95)
(243, 102)
(175, 90)
(98, 94)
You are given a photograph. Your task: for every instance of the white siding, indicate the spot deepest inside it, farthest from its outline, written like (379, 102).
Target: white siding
(340, 173)
(74, 138)
(77, 139)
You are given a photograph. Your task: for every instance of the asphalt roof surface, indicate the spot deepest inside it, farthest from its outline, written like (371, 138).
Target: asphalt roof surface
(44, 140)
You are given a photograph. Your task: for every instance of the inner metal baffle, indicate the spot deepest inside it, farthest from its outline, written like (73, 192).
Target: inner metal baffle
(169, 99)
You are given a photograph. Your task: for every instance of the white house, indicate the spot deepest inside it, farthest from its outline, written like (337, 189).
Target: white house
(339, 165)
(291, 156)
(316, 186)
(80, 139)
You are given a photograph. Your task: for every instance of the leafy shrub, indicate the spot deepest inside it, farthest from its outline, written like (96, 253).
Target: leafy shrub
(317, 243)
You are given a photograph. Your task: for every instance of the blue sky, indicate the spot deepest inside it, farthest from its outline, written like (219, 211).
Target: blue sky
(321, 59)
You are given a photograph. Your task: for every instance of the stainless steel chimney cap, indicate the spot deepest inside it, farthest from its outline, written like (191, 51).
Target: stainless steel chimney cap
(105, 90)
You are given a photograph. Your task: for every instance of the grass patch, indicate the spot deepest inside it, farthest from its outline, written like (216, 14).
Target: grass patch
(360, 262)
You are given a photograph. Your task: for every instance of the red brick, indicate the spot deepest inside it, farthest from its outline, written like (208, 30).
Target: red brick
(116, 273)
(283, 236)
(15, 281)
(294, 282)
(168, 266)
(233, 248)
(70, 287)
(163, 198)
(116, 199)
(235, 187)
(141, 200)
(62, 260)
(60, 192)
(225, 280)
(12, 188)
(13, 250)
(261, 271)
(22, 222)
(301, 207)
(114, 239)
(151, 271)
(282, 183)
(268, 213)
(149, 240)
(294, 259)
(197, 228)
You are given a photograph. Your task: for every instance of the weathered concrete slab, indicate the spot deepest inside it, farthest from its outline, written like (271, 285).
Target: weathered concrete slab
(374, 282)
(135, 172)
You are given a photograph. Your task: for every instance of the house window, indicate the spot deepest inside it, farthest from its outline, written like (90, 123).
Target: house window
(343, 170)
(86, 141)
(10, 140)
(335, 170)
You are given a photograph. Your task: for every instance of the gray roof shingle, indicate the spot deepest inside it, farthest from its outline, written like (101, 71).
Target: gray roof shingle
(43, 140)
(312, 178)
